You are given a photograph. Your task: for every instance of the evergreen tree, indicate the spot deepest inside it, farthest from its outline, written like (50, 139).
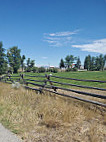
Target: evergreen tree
(97, 63)
(87, 62)
(92, 68)
(61, 65)
(78, 63)
(102, 62)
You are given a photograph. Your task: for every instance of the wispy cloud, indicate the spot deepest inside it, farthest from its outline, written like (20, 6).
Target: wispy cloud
(98, 46)
(67, 33)
(44, 57)
(59, 38)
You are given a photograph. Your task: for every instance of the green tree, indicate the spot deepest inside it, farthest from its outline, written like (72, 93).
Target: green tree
(93, 67)
(35, 69)
(22, 62)
(69, 60)
(78, 63)
(102, 61)
(30, 64)
(3, 62)
(87, 62)
(61, 65)
(14, 58)
(97, 63)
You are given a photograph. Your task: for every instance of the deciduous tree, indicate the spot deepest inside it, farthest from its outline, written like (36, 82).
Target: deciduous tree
(3, 62)
(14, 58)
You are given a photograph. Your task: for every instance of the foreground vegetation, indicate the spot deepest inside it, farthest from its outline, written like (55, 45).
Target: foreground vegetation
(46, 117)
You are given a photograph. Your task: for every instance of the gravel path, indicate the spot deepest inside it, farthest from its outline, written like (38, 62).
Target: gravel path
(7, 136)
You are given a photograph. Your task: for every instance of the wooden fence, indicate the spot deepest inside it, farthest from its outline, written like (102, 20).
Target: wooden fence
(46, 83)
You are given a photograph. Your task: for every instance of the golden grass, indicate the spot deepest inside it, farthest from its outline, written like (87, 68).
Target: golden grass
(49, 118)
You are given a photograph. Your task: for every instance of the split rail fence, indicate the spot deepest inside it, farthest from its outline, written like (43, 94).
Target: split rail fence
(47, 84)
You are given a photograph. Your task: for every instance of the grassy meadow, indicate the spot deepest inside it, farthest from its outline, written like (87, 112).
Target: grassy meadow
(49, 118)
(95, 75)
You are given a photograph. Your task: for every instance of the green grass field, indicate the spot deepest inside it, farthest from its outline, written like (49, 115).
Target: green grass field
(97, 75)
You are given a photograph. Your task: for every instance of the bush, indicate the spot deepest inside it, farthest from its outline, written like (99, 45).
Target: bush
(41, 69)
(35, 69)
(71, 69)
(54, 70)
(75, 69)
(28, 69)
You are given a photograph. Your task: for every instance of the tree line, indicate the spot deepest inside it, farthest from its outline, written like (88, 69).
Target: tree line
(71, 63)
(12, 60)
(97, 63)
(91, 63)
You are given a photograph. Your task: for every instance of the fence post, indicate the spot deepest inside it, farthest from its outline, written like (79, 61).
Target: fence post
(48, 79)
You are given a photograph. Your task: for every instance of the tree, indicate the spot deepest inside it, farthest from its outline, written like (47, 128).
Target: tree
(61, 65)
(95, 63)
(3, 62)
(69, 60)
(102, 61)
(93, 67)
(30, 64)
(22, 62)
(35, 69)
(78, 64)
(14, 58)
(87, 62)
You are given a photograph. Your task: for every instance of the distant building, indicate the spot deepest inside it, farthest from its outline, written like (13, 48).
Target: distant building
(51, 67)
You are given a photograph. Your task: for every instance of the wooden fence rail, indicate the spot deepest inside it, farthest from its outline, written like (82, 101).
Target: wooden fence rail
(47, 79)
(79, 79)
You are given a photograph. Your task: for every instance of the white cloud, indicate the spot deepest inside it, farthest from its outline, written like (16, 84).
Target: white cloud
(67, 33)
(98, 46)
(60, 38)
(44, 57)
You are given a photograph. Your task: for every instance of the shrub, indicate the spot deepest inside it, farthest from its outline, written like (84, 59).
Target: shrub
(41, 69)
(75, 69)
(34, 69)
(71, 69)
(55, 70)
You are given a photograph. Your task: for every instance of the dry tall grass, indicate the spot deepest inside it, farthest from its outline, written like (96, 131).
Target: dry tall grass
(48, 118)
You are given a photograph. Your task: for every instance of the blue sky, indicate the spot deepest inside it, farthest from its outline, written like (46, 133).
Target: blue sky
(48, 30)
